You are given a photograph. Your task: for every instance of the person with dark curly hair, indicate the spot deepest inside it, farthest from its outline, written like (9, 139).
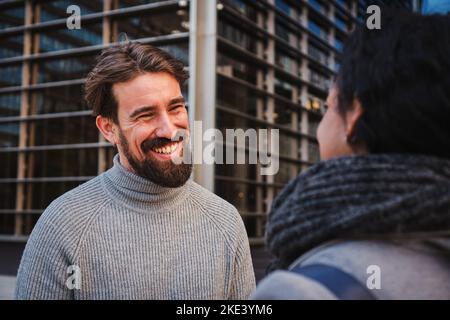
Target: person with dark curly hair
(372, 219)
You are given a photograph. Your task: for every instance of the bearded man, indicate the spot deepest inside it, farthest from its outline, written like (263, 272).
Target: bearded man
(142, 229)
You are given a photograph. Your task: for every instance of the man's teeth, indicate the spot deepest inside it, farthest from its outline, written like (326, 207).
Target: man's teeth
(166, 149)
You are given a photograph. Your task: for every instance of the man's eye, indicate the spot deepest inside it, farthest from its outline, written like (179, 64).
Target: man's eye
(145, 116)
(176, 108)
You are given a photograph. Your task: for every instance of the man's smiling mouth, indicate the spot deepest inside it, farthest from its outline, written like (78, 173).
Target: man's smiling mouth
(167, 149)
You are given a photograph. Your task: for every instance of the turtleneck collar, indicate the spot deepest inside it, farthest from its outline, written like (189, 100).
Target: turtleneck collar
(139, 193)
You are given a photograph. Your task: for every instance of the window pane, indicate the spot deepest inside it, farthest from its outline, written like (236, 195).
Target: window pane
(64, 68)
(243, 8)
(59, 99)
(287, 144)
(11, 75)
(286, 172)
(152, 24)
(285, 62)
(9, 134)
(318, 54)
(131, 3)
(283, 88)
(52, 10)
(313, 123)
(64, 130)
(242, 171)
(11, 47)
(11, 17)
(283, 114)
(235, 96)
(232, 67)
(314, 153)
(241, 195)
(236, 35)
(179, 51)
(7, 195)
(10, 104)
(7, 223)
(319, 80)
(8, 165)
(226, 120)
(282, 32)
(63, 163)
(63, 38)
(317, 30)
(43, 193)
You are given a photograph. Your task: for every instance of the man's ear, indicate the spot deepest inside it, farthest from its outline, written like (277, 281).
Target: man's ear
(352, 116)
(107, 128)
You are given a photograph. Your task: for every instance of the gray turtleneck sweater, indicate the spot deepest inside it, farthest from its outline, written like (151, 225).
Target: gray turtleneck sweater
(120, 236)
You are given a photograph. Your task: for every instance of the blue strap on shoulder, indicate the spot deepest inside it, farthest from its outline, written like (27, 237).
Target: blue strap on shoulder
(343, 285)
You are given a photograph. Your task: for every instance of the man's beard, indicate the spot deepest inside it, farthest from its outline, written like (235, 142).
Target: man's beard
(163, 173)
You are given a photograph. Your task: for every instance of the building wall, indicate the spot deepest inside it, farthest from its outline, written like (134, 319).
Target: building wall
(276, 60)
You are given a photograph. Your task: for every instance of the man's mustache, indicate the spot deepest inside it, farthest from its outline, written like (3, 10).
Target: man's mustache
(149, 144)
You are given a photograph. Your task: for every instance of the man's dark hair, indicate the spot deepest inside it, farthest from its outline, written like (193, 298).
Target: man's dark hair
(121, 63)
(401, 75)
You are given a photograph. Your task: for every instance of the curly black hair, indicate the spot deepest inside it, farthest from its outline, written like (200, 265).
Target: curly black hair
(401, 76)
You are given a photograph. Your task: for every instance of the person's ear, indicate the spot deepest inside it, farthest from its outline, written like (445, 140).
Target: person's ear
(352, 116)
(107, 128)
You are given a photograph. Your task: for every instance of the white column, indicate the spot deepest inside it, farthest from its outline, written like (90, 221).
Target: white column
(202, 81)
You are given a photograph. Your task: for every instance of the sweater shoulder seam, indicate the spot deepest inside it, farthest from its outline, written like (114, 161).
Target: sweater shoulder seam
(88, 224)
(224, 234)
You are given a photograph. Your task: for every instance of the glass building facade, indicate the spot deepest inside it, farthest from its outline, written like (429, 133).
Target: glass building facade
(271, 66)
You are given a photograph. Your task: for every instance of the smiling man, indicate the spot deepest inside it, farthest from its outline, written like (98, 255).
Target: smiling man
(142, 229)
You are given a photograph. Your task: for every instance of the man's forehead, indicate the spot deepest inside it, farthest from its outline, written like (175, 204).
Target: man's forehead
(148, 83)
(148, 89)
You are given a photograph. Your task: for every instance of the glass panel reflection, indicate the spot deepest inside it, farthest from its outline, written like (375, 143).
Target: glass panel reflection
(152, 24)
(43, 193)
(8, 165)
(63, 163)
(58, 99)
(241, 195)
(11, 75)
(64, 68)
(63, 38)
(10, 104)
(52, 10)
(64, 130)
(236, 96)
(11, 47)
(11, 17)
(9, 135)
(7, 195)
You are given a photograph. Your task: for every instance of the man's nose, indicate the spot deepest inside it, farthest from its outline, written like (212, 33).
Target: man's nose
(165, 129)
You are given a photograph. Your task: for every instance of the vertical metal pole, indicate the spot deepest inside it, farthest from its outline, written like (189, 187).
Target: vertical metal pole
(24, 110)
(202, 82)
(106, 35)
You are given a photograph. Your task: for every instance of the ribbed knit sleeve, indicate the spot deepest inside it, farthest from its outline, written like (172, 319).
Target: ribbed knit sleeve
(243, 276)
(43, 270)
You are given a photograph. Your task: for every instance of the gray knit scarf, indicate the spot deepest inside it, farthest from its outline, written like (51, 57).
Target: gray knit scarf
(359, 195)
